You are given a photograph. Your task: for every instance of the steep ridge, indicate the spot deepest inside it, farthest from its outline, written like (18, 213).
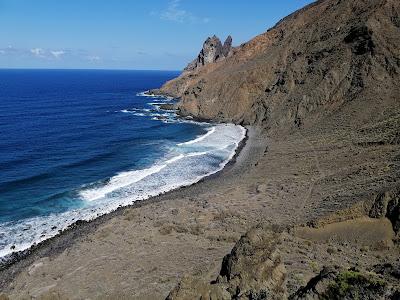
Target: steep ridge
(310, 65)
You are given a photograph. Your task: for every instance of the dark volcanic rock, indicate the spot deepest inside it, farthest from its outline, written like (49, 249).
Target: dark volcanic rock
(388, 269)
(212, 52)
(361, 40)
(167, 106)
(227, 47)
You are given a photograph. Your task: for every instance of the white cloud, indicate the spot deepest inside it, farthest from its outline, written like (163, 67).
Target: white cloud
(45, 53)
(93, 58)
(175, 13)
(57, 53)
(9, 50)
(54, 55)
(39, 52)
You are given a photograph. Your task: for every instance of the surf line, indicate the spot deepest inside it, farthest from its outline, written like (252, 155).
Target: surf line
(199, 139)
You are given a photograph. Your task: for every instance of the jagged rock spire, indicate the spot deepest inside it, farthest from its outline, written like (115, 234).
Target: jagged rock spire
(212, 51)
(226, 48)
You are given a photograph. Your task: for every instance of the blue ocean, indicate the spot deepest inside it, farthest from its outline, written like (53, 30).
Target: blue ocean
(76, 144)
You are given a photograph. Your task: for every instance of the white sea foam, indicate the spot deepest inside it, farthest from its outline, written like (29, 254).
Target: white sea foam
(197, 154)
(125, 179)
(199, 139)
(134, 112)
(185, 164)
(161, 115)
(156, 104)
(146, 94)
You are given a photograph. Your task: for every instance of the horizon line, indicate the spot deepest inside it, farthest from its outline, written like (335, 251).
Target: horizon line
(89, 69)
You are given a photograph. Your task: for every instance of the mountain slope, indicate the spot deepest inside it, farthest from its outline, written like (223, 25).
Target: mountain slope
(322, 85)
(311, 64)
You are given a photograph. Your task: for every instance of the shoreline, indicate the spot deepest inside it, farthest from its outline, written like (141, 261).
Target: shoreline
(18, 261)
(10, 258)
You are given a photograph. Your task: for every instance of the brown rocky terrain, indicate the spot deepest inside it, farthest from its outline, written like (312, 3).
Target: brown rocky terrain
(324, 72)
(309, 210)
(311, 64)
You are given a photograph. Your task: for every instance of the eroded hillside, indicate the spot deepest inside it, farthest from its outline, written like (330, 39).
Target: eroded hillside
(310, 65)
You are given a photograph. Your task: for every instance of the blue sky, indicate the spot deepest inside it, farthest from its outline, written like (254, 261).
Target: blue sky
(126, 34)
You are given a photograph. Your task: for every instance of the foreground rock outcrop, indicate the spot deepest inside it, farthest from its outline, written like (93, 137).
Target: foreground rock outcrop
(253, 270)
(387, 204)
(261, 265)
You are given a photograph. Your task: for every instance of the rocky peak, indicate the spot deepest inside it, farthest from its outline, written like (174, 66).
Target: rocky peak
(212, 51)
(227, 47)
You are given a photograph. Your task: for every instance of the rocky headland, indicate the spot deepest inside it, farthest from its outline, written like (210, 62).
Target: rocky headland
(309, 210)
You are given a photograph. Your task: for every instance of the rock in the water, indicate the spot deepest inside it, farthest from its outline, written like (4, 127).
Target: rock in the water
(167, 106)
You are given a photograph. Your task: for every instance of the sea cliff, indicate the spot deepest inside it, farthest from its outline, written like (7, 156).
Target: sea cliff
(307, 67)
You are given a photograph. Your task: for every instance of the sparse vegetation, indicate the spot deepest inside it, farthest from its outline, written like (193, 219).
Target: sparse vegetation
(314, 266)
(353, 284)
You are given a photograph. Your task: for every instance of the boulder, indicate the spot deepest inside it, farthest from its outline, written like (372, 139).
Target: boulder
(253, 270)
(387, 204)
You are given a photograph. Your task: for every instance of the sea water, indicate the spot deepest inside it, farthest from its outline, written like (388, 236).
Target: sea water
(76, 144)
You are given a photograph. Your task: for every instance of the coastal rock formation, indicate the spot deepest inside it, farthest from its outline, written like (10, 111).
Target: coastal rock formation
(227, 47)
(253, 270)
(310, 65)
(212, 51)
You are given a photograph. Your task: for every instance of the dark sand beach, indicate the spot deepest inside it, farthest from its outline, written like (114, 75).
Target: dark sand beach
(246, 154)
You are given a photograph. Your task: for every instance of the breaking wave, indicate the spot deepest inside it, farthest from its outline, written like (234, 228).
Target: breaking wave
(184, 164)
